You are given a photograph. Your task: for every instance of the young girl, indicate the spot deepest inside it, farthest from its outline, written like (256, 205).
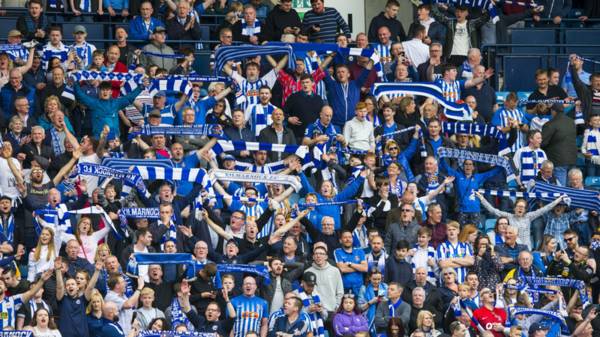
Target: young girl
(42, 258)
(348, 320)
(82, 278)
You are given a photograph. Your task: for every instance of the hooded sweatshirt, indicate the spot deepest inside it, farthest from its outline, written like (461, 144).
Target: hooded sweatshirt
(329, 285)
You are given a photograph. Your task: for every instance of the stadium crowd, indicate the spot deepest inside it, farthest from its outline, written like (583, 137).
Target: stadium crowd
(317, 192)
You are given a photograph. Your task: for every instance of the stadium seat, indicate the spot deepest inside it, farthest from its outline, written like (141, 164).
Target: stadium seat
(532, 37)
(94, 32)
(489, 225)
(593, 182)
(582, 36)
(519, 72)
(501, 97)
(8, 24)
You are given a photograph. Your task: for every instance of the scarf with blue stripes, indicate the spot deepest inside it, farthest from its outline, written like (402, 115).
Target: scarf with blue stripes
(462, 155)
(172, 333)
(224, 54)
(213, 130)
(316, 320)
(483, 130)
(456, 111)
(240, 145)
(250, 31)
(140, 213)
(586, 199)
(251, 177)
(7, 230)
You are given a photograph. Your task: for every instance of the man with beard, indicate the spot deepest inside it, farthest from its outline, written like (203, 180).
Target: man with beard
(11, 304)
(274, 292)
(293, 322)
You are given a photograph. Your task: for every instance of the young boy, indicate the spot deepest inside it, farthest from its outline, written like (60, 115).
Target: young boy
(591, 147)
(423, 254)
(97, 61)
(397, 269)
(455, 254)
(84, 51)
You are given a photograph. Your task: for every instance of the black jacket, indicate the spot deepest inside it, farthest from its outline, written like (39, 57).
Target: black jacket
(305, 107)
(436, 32)
(176, 31)
(277, 20)
(473, 27)
(269, 135)
(267, 291)
(558, 140)
(394, 26)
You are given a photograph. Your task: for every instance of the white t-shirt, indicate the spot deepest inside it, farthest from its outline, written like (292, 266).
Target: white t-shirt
(92, 182)
(461, 40)
(8, 182)
(125, 315)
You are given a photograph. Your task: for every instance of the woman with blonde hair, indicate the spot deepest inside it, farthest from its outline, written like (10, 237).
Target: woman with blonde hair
(102, 252)
(42, 258)
(51, 106)
(6, 65)
(426, 324)
(88, 238)
(94, 313)
(82, 278)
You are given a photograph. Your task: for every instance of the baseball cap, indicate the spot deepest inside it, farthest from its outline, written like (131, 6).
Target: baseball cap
(79, 29)
(309, 278)
(161, 93)
(536, 327)
(14, 33)
(5, 197)
(159, 29)
(228, 157)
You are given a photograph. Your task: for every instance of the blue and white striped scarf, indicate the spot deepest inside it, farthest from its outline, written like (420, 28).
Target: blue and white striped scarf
(553, 315)
(169, 235)
(10, 47)
(491, 159)
(327, 203)
(178, 317)
(89, 75)
(173, 333)
(586, 199)
(96, 170)
(483, 130)
(166, 56)
(192, 175)
(460, 112)
(518, 194)
(593, 142)
(240, 145)
(365, 52)
(316, 321)
(171, 84)
(178, 130)
(260, 116)
(58, 146)
(124, 164)
(224, 54)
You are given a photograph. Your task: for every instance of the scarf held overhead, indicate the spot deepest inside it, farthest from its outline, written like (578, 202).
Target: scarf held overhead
(460, 112)
(478, 157)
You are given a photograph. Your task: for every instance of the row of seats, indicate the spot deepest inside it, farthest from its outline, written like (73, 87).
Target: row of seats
(534, 37)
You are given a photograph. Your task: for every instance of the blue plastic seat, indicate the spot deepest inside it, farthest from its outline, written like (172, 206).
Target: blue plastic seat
(519, 72)
(532, 37)
(582, 36)
(489, 225)
(592, 182)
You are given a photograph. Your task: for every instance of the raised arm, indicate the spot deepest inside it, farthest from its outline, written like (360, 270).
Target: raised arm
(220, 231)
(133, 300)
(38, 285)
(432, 194)
(92, 284)
(539, 212)
(67, 168)
(7, 154)
(283, 229)
(60, 285)
(489, 207)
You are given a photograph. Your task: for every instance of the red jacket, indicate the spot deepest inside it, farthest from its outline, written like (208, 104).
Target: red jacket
(116, 85)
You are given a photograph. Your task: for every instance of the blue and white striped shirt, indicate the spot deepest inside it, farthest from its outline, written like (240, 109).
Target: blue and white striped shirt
(249, 313)
(452, 90)
(249, 90)
(8, 311)
(311, 63)
(49, 52)
(501, 118)
(84, 52)
(529, 162)
(447, 250)
(260, 116)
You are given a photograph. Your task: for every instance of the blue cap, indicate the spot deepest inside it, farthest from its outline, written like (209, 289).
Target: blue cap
(161, 93)
(228, 157)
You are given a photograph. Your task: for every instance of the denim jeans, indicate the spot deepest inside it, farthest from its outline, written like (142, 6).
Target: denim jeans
(537, 232)
(560, 172)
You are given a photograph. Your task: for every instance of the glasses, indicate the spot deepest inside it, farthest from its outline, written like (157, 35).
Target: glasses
(569, 239)
(393, 148)
(406, 210)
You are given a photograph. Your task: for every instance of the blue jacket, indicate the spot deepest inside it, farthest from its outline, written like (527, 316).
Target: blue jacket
(332, 210)
(404, 157)
(138, 30)
(111, 329)
(117, 5)
(465, 185)
(105, 112)
(7, 99)
(343, 107)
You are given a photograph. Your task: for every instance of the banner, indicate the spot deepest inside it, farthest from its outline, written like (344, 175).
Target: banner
(252, 177)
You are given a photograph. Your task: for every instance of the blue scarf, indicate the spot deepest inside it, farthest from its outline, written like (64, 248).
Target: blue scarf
(483, 130)
(7, 232)
(177, 130)
(247, 30)
(316, 320)
(178, 317)
(393, 307)
(224, 54)
(586, 199)
(56, 142)
(491, 159)
(456, 111)
(140, 213)
(240, 145)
